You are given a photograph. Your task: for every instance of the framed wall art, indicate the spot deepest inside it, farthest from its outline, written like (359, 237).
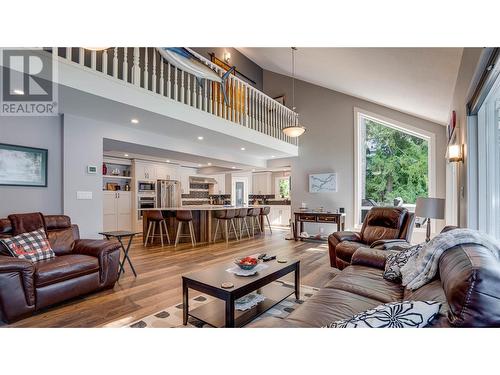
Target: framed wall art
(323, 183)
(23, 166)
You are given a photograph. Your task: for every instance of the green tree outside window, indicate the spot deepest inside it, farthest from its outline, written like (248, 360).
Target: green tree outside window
(396, 165)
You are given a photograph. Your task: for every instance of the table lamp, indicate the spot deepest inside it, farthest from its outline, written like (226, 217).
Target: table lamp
(430, 208)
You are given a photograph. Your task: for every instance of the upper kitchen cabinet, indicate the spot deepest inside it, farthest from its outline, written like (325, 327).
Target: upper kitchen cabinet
(220, 184)
(262, 183)
(144, 170)
(184, 174)
(166, 172)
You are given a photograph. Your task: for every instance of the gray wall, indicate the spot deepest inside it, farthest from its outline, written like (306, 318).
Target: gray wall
(243, 64)
(83, 146)
(461, 95)
(328, 144)
(41, 132)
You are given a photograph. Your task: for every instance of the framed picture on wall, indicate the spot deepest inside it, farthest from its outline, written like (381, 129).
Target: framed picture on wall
(23, 166)
(323, 183)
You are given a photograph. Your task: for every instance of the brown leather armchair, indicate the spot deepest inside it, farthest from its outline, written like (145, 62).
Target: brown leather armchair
(80, 266)
(382, 228)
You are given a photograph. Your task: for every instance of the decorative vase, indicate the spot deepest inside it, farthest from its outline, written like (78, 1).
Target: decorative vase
(104, 169)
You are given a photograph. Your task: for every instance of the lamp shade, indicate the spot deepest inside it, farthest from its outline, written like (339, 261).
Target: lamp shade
(430, 208)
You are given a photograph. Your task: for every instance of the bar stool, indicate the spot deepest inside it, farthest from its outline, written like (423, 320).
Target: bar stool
(225, 215)
(241, 218)
(253, 214)
(185, 216)
(155, 216)
(264, 211)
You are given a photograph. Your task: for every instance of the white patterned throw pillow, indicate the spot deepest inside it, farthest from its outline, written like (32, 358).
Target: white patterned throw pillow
(396, 261)
(405, 314)
(32, 246)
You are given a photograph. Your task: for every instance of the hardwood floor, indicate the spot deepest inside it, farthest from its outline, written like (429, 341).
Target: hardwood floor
(158, 284)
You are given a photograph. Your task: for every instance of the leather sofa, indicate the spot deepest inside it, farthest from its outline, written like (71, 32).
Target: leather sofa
(467, 285)
(80, 266)
(383, 226)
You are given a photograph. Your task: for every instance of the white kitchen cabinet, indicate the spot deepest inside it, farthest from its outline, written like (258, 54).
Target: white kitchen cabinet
(183, 176)
(117, 210)
(280, 215)
(144, 171)
(220, 185)
(161, 172)
(262, 184)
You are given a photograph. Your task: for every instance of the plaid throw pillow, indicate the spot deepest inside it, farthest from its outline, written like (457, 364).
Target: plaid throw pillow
(33, 246)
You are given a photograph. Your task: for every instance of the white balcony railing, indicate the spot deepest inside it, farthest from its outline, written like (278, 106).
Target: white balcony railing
(146, 68)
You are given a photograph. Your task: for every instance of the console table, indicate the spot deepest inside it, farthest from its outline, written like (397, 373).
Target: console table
(302, 217)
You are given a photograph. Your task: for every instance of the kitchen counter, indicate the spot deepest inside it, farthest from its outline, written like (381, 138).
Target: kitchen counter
(201, 208)
(202, 219)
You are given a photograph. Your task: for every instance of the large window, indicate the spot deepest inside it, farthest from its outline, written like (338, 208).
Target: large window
(392, 164)
(488, 165)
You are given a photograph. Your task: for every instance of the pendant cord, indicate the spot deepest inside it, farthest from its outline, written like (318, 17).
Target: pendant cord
(293, 79)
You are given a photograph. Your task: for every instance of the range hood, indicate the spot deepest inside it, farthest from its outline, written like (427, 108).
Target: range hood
(202, 180)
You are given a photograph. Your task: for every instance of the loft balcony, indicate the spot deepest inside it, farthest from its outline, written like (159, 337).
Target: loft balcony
(142, 78)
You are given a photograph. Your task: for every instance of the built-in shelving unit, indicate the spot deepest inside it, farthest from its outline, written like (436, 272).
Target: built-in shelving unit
(122, 179)
(117, 201)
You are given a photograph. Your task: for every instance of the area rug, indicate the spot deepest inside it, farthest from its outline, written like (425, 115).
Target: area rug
(171, 317)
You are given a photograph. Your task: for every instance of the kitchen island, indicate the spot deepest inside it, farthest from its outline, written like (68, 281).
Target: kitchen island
(202, 219)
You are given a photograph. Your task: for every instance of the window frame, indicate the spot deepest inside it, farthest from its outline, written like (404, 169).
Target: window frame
(397, 125)
(486, 204)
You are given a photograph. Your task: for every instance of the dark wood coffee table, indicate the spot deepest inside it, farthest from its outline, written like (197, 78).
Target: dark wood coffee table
(221, 312)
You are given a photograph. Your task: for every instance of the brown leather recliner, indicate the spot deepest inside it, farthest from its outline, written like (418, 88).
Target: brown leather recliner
(383, 226)
(80, 266)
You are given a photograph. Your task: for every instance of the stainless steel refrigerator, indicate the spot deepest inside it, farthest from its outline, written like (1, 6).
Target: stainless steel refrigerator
(168, 193)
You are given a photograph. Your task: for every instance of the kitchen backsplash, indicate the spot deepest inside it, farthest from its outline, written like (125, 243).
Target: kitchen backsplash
(196, 194)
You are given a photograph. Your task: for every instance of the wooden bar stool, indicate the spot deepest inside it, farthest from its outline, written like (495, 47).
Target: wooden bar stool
(226, 216)
(155, 216)
(185, 216)
(264, 211)
(253, 214)
(241, 218)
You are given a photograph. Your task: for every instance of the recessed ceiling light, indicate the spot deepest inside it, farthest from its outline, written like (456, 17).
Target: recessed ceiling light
(200, 138)
(199, 165)
(209, 163)
(18, 92)
(233, 167)
(168, 161)
(242, 149)
(126, 155)
(273, 156)
(134, 121)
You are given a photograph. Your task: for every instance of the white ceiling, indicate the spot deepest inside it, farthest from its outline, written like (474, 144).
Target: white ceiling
(418, 81)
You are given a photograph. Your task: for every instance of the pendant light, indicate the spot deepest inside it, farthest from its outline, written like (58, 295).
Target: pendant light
(295, 129)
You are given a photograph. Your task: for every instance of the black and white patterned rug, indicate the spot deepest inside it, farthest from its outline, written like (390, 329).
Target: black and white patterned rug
(171, 317)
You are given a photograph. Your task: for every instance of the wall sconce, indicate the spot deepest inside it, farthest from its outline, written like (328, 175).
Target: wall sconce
(455, 153)
(226, 56)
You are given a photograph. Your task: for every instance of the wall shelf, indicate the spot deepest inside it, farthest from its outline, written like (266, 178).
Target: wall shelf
(117, 177)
